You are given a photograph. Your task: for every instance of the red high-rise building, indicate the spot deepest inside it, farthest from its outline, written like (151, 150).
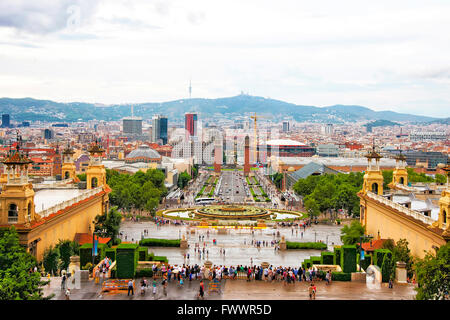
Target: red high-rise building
(190, 123)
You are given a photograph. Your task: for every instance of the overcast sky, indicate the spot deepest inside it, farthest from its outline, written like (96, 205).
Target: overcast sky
(386, 55)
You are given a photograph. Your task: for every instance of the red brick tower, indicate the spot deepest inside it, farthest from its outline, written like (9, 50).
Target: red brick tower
(217, 157)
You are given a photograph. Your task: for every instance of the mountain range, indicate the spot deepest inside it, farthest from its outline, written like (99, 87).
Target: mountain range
(29, 109)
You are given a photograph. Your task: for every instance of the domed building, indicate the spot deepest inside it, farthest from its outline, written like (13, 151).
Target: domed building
(143, 154)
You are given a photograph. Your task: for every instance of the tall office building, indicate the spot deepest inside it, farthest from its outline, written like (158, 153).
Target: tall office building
(285, 126)
(190, 123)
(5, 121)
(159, 129)
(48, 134)
(132, 125)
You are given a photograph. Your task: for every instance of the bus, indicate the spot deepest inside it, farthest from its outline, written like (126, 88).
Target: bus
(204, 200)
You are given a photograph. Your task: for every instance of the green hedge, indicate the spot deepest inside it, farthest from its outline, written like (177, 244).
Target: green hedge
(341, 276)
(144, 273)
(306, 264)
(337, 255)
(315, 260)
(127, 258)
(379, 256)
(348, 258)
(143, 254)
(86, 253)
(327, 258)
(386, 267)
(306, 245)
(367, 261)
(110, 253)
(160, 242)
(160, 259)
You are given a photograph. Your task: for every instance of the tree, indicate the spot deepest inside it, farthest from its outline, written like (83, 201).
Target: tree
(183, 179)
(440, 178)
(82, 176)
(312, 207)
(351, 235)
(401, 252)
(433, 274)
(17, 280)
(66, 249)
(51, 260)
(387, 178)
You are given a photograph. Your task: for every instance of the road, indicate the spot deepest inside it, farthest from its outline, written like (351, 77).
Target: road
(232, 187)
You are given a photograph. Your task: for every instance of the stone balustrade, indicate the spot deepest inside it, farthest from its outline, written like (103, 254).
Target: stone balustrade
(415, 214)
(70, 202)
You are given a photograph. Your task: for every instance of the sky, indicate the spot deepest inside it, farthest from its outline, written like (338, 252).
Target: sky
(385, 55)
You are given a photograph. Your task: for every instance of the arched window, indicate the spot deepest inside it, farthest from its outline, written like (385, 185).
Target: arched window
(444, 220)
(94, 182)
(13, 213)
(66, 175)
(29, 211)
(375, 188)
(402, 180)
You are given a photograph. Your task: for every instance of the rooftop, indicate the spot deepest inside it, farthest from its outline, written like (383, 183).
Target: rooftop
(47, 198)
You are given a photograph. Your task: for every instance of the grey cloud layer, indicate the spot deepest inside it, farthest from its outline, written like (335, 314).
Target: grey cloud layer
(45, 17)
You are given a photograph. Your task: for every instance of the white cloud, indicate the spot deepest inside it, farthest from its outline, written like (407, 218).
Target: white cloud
(379, 54)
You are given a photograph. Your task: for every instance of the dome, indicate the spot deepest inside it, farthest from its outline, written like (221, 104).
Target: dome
(144, 152)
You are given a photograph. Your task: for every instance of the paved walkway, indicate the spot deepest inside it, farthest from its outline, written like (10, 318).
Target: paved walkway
(243, 290)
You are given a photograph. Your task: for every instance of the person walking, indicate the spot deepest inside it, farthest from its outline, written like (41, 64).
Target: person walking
(201, 292)
(130, 288)
(312, 291)
(68, 294)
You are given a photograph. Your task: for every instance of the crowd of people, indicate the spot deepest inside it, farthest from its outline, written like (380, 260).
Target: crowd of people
(286, 275)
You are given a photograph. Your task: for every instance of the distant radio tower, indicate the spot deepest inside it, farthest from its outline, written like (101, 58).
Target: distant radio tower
(190, 89)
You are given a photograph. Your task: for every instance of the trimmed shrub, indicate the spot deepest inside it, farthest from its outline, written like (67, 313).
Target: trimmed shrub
(160, 259)
(143, 254)
(379, 256)
(307, 263)
(110, 253)
(159, 242)
(341, 276)
(327, 258)
(337, 255)
(387, 267)
(306, 245)
(367, 261)
(86, 253)
(315, 260)
(348, 258)
(126, 257)
(144, 273)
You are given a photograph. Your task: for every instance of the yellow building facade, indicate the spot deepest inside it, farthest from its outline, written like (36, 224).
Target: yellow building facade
(59, 220)
(386, 219)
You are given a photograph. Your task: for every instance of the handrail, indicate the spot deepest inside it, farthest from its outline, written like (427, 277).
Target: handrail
(412, 213)
(67, 203)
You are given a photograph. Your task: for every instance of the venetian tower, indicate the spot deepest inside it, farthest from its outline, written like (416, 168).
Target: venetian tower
(247, 156)
(95, 173)
(17, 197)
(400, 175)
(373, 178)
(68, 169)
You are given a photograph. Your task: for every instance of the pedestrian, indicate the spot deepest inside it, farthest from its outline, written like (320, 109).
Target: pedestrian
(63, 282)
(130, 287)
(312, 291)
(201, 290)
(154, 288)
(68, 294)
(390, 283)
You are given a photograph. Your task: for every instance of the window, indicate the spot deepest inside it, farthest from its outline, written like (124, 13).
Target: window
(66, 175)
(375, 188)
(444, 218)
(13, 213)
(94, 182)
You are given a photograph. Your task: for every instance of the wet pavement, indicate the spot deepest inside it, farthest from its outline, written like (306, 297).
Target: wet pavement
(243, 290)
(237, 244)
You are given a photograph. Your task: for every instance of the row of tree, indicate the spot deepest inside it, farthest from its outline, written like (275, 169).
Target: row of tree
(142, 191)
(330, 192)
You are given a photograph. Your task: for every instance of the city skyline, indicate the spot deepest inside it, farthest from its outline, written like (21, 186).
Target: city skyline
(380, 55)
